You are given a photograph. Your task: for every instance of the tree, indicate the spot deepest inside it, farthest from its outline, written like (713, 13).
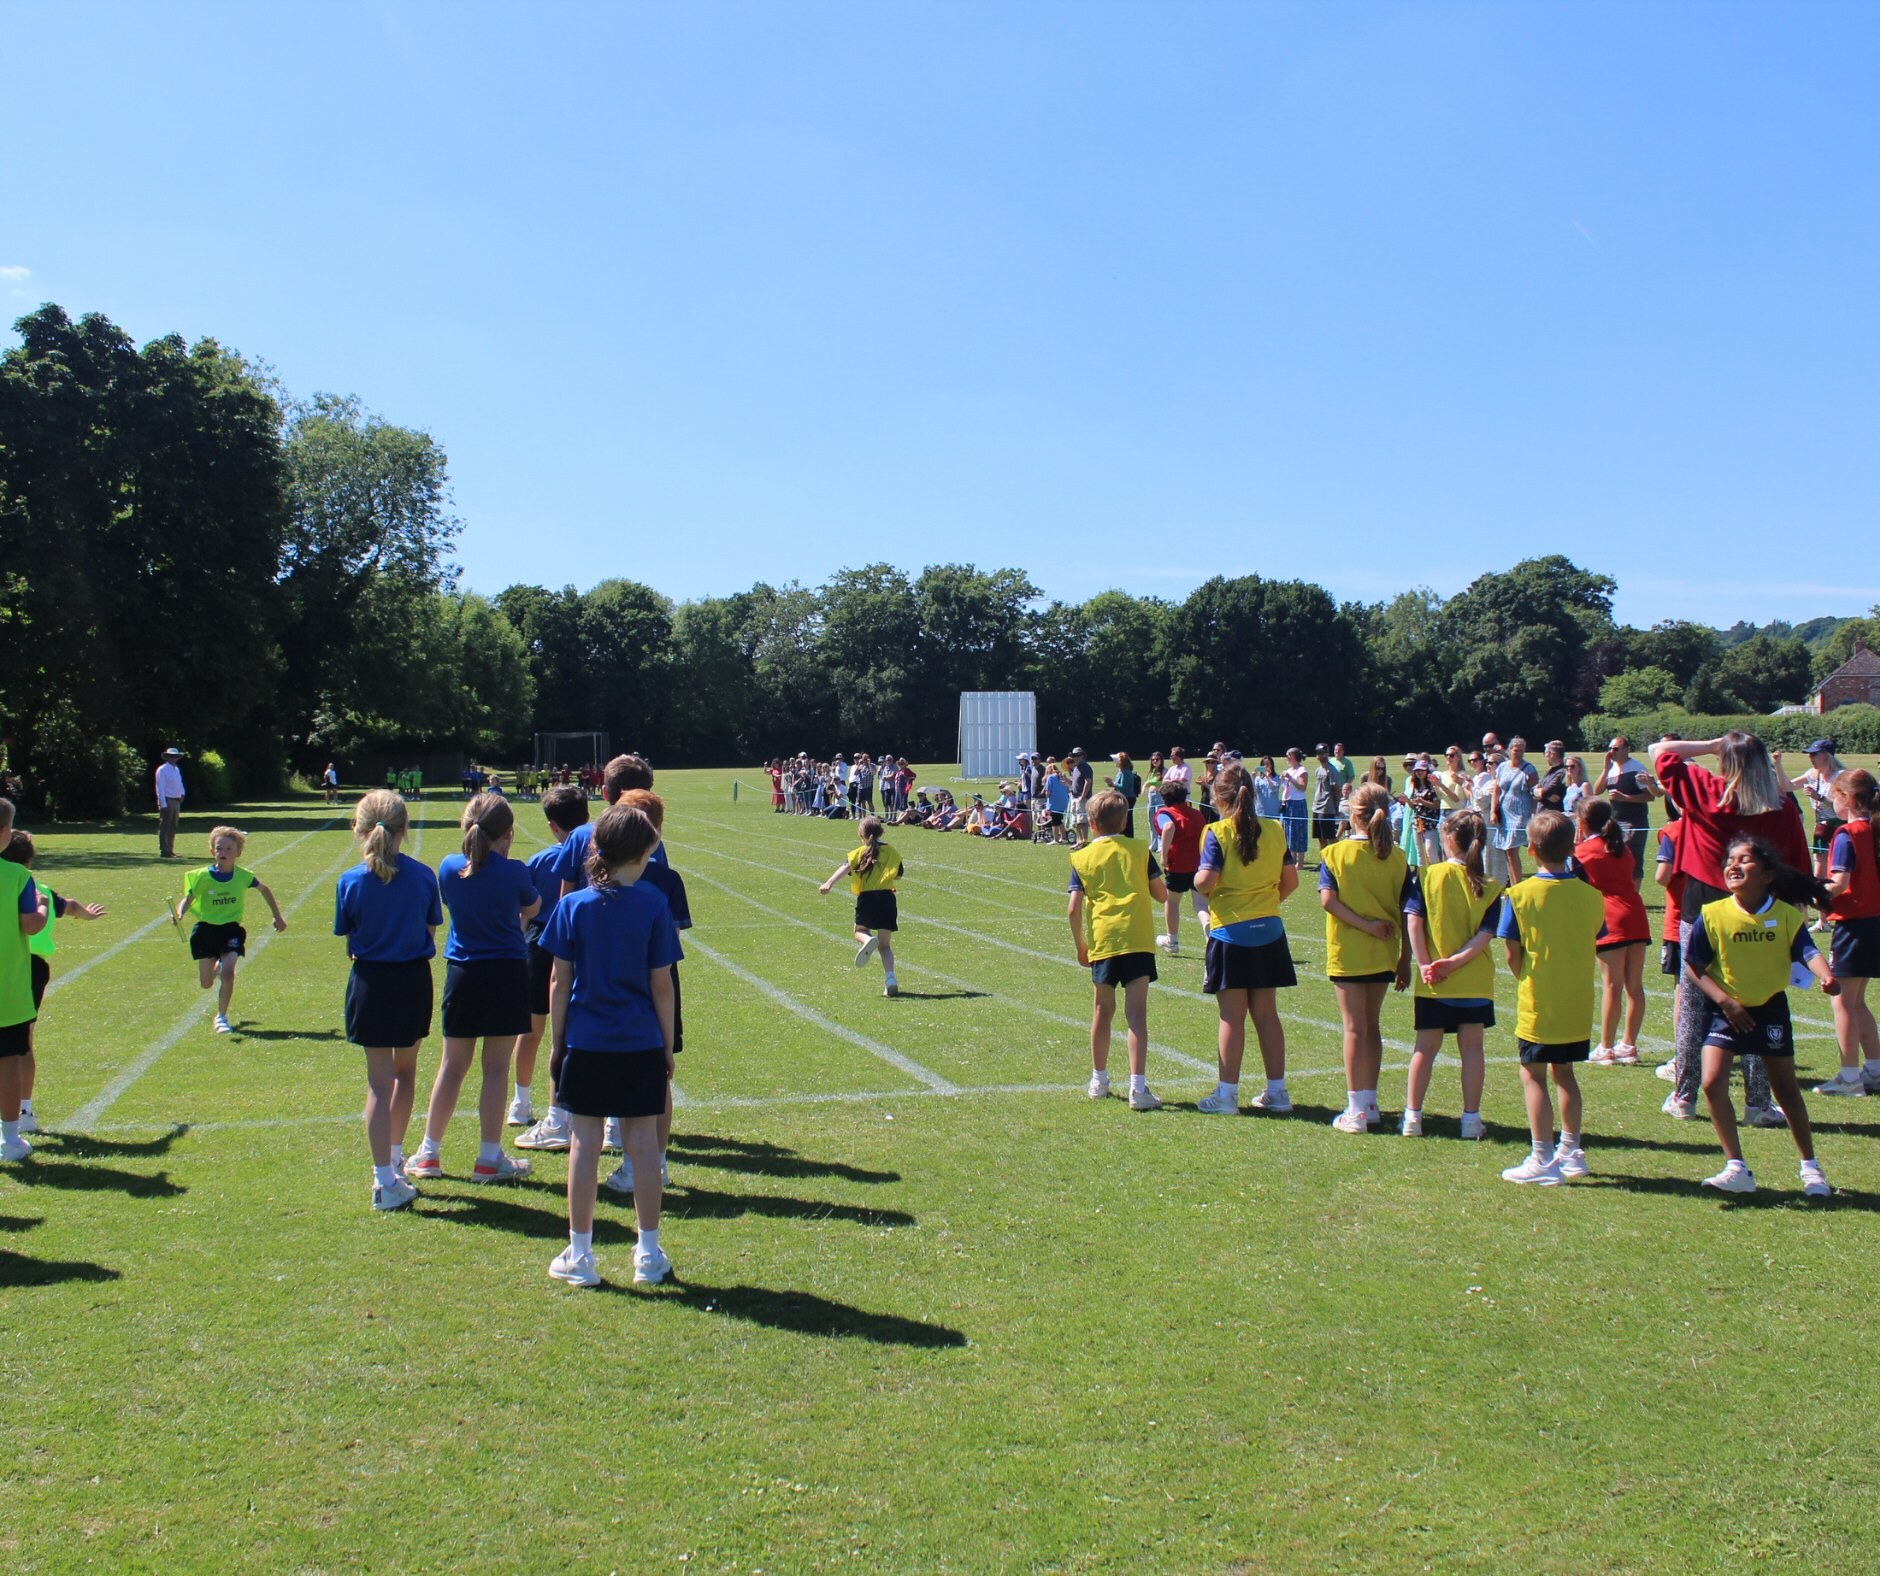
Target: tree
(1638, 690)
(549, 624)
(626, 638)
(869, 656)
(1678, 646)
(1124, 643)
(782, 635)
(1754, 676)
(711, 682)
(972, 628)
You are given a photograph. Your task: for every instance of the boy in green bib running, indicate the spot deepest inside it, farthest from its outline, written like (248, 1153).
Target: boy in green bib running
(218, 892)
(19, 850)
(22, 916)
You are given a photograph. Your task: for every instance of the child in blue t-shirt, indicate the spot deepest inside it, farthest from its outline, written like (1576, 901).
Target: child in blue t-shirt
(387, 907)
(610, 1015)
(566, 810)
(486, 984)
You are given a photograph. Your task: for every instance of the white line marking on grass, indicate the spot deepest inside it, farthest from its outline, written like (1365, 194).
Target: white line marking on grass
(784, 999)
(79, 969)
(92, 1109)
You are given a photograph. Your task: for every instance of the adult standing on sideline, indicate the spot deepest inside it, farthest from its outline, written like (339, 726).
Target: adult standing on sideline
(1629, 784)
(1550, 793)
(1178, 770)
(1328, 793)
(1082, 781)
(1513, 805)
(169, 801)
(1347, 770)
(1127, 782)
(1746, 794)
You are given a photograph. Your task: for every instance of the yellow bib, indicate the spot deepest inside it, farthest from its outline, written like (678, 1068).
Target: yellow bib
(1752, 951)
(1558, 921)
(1119, 915)
(1452, 914)
(1247, 890)
(1372, 888)
(880, 876)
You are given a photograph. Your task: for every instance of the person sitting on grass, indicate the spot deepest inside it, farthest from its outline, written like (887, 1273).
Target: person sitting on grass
(1114, 887)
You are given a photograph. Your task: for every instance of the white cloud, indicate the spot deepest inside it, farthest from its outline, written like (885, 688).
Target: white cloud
(13, 274)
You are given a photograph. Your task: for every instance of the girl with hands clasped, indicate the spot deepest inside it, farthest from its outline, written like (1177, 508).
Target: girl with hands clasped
(1361, 882)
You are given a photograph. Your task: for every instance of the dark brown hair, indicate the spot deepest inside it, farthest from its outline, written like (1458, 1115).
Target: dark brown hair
(1785, 881)
(1858, 785)
(19, 848)
(1466, 834)
(1597, 820)
(622, 835)
(1233, 797)
(565, 807)
(870, 830)
(487, 820)
(624, 772)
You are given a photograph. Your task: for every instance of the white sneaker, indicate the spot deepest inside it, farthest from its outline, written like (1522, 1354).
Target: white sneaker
(611, 1138)
(1531, 1170)
(1372, 1116)
(29, 1121)
(650, 1268)
(1667, 1070)
(1764, 1116)
(866, 950)
(1473, 1126)
(1625, 1055)
(395, 1194)
(1412, 1126)
(1814, 1183)
(577, 1269)
(620, 1179)
(521, 1113)
(891, 986)
(1870, 1079)
(1678, 1110)
(546, 1134)
(14, 1150)
(1218, 1104)
(504, 1168)
(1144, 1100)
(1099, 1086)
(1170, 944)
(1733, 1178)
(1351, 1122)
(1603, 1056)
(1833, 1086)
(222, 1025)
(1279, 1104)
(1572, 1162)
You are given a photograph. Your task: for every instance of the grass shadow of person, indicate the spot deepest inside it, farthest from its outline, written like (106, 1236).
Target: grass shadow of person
(774, 1161)
(493, 1211)
(12, 1223)
(95, 1179)
(1503, 1132)
(904, 994)
(1788, 1196)
(16, 1269)
(243, 1032)
(800, 1312)
(83, 1146)
(697, 1203)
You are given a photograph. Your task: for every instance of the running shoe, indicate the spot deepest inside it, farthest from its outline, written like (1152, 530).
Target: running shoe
(14, 1150)
(1764, 1116)
(1412, 1126)
(222, 1025)
(1678, 1110)
(521, 1113)
(1099, 1086)
(1733, 1178)
(1144, 1100)
(1532, 1170)
(1667, 1070)
(620, 1179)
(1842, 1086)
(1218, 1104)
(424, 1168)
(1603, 1056)
(395, 1194)
(1473, 1126)
(650, 1266)
(892, 987)
(29, 1120)
(866, 950)
(1814, 1183)
(1870, 1078)
(1625, 1055)
(1170, 944)
(577, 1269)
(546, 1134)
(1351, 1122)
(1277, 1102)
(1572, 1162)
(504, 1168)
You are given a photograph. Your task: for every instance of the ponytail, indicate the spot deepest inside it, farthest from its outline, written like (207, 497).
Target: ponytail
(379, 822)
(1466, 833)
(624, 834)
(1370, 817)
(1597, 820)
(871, 844)
(1233, 794)
(1861, 789)
(487, 820)
(1786, 883)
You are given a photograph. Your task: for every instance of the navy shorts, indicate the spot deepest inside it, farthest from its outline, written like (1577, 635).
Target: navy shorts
(612, 1083)
(541, 964)
(487, 998)
(389, 1004)
(16, 1039)
(1179, 880)
(1382, 977)
(212, 941)
(876, 910)
(1854, 949)
(42, 977)
(1543, 1055)
(1670, 958)
(1265, 967)
(1123, 968)
(1432, 1012)
(1771, 1032)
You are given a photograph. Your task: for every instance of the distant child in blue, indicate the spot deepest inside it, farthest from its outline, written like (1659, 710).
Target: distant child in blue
(611, 1017)
(566, 810)
(486, 984)
(387, 907)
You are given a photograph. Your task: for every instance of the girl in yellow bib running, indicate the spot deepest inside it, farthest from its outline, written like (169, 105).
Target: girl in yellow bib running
(873, 870)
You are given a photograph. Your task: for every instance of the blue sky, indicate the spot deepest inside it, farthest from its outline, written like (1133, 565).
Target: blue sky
(1376, 295)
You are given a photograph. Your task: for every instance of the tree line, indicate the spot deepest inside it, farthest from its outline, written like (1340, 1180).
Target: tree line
(191, 555)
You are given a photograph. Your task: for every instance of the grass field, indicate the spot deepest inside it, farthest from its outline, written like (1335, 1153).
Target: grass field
(934, 1309)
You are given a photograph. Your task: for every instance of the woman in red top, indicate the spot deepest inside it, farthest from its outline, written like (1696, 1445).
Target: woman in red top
(1181, 826)
(1746, 794)
(775, 769)
(1854, 954)
(1606, 863)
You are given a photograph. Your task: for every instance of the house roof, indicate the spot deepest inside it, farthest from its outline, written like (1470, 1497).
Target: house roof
(1864, 663)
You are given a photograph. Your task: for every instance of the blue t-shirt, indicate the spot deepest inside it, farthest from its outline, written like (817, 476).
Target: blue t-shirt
(545, 872)
(1508, 927)
(571, 857)
(29, 897)
(671, 885)
(387, 920)
(615, 937)
(486, 908)
(1057, 793)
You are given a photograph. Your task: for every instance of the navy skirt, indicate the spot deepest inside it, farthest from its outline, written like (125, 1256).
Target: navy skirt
(486, 998)
(388, 1004)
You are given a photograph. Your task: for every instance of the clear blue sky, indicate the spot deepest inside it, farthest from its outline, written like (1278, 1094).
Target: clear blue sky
(1370, 294)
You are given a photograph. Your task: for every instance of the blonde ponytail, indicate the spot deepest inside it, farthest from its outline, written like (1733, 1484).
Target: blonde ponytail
(1466, 833)
(379, 822)
(870, 830)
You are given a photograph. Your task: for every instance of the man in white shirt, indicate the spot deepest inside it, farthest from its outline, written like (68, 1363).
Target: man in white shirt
(169, 801)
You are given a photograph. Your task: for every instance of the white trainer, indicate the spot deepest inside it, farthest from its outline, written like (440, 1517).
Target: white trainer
(1099, 1086)
(650, 1267)
(1412, 1126)
(1218, 1103)
(521, 1113)
(1842, 1086)
(1572, 1162)
(1144, 1100)
(1170, 944)
(29, 1120)
(891, 986)
(396, 1194)
(1625, 1055)
(546, 1134)
(14, 1150)
(1603, 1056)
(504, 1168)
(1814, 1181)
(1531, 1170)
(1372, 1116)
(620, 1179)
(1870, 1078)
(1764, 1116)
(1678, 1110)
(222, 1025)
(1277, 1102)
(577, 1269)
(1351, 1122)
(1667, 1070)
(1733, 1178)
(611, 1138)
(1473, 1126)
(866, 950)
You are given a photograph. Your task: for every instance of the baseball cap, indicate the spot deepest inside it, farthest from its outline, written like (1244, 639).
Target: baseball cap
(1423, 764)
(1820, 746)
(1078, 751)
(1321, 749)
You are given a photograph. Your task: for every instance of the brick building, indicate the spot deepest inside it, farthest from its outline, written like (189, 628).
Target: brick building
(1855, 682)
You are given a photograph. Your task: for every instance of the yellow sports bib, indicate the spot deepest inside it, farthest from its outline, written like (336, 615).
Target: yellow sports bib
(1370, 887)
(1119, 915)
(1452, 915)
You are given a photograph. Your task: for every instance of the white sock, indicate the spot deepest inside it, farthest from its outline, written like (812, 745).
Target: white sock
(582, 1242)
(1544, 1152)
(1569, 1140)
(1354, 1102)
(1369, 1097)
(1871, 1068)
(398, 1155)
(1734, 1165)
(1138, 1083)
(26, 1107)
(1848, 1075)
(1276, 1086)
(1413, 1110)
(526, 1093)
(384, 1176)
(9, 1131)
(1231, 1090)
(1101, 1074)
(429, 1146)
(649, 1239)
(489, 1154)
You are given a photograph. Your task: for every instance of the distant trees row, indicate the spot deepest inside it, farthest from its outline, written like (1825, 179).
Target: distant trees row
(189, 555)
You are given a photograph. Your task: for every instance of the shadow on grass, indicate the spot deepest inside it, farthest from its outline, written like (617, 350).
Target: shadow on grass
(19, 1222)
(243, 1032)
(192, 831)
(904, 994)
(82, 1146)
(94, 1179)
(504, 1211)
(801, 1313)
(697, 1203)
(1788, 1196)
(1503, 1133)
(16, 1269)
(770, 1160)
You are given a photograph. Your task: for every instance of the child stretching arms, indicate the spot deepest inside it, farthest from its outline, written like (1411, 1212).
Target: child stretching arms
(872, 869)
(1450, 913)
(218, 892)
(1114, 887)
(1854, 953)
(1550, 922)
(19, 850)
(610, 1014)
(1361, 882)
(1739, 954)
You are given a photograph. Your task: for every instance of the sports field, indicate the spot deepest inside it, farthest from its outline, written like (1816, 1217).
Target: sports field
(934, 1310)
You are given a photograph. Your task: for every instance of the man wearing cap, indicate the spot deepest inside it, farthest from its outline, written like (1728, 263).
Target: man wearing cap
(1328, 792)
(169, 801)
(1082, 780)
(1630, 786)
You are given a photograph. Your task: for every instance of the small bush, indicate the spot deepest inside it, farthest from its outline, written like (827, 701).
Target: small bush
(209, 780)
(75, 775)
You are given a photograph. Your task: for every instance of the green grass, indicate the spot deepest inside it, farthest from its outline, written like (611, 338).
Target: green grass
(1000, 1329)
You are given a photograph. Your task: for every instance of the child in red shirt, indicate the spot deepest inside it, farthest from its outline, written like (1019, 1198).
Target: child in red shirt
(1605, 862)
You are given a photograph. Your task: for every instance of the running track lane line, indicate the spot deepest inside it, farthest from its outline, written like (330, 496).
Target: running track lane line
(151, 1054)
(141, 931)
(783, 999)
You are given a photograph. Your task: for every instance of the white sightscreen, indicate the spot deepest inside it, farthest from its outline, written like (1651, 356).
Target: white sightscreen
(994, 726)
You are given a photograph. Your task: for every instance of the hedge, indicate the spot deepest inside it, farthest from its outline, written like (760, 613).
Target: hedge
(1855, 729)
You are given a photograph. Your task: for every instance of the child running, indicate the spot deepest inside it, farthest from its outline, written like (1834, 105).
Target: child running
(486, 985)
(218, 892)
(1550, 923)
(611, 1018)
(874, 870)
(1180, 826)
(1361, 882)
(1451, 910)
(20, 850)
(565, 809)
(1854, 953)
(1114, 885)
(22, 916)
(1605, 862)
(388, 908)
(1246, 872)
